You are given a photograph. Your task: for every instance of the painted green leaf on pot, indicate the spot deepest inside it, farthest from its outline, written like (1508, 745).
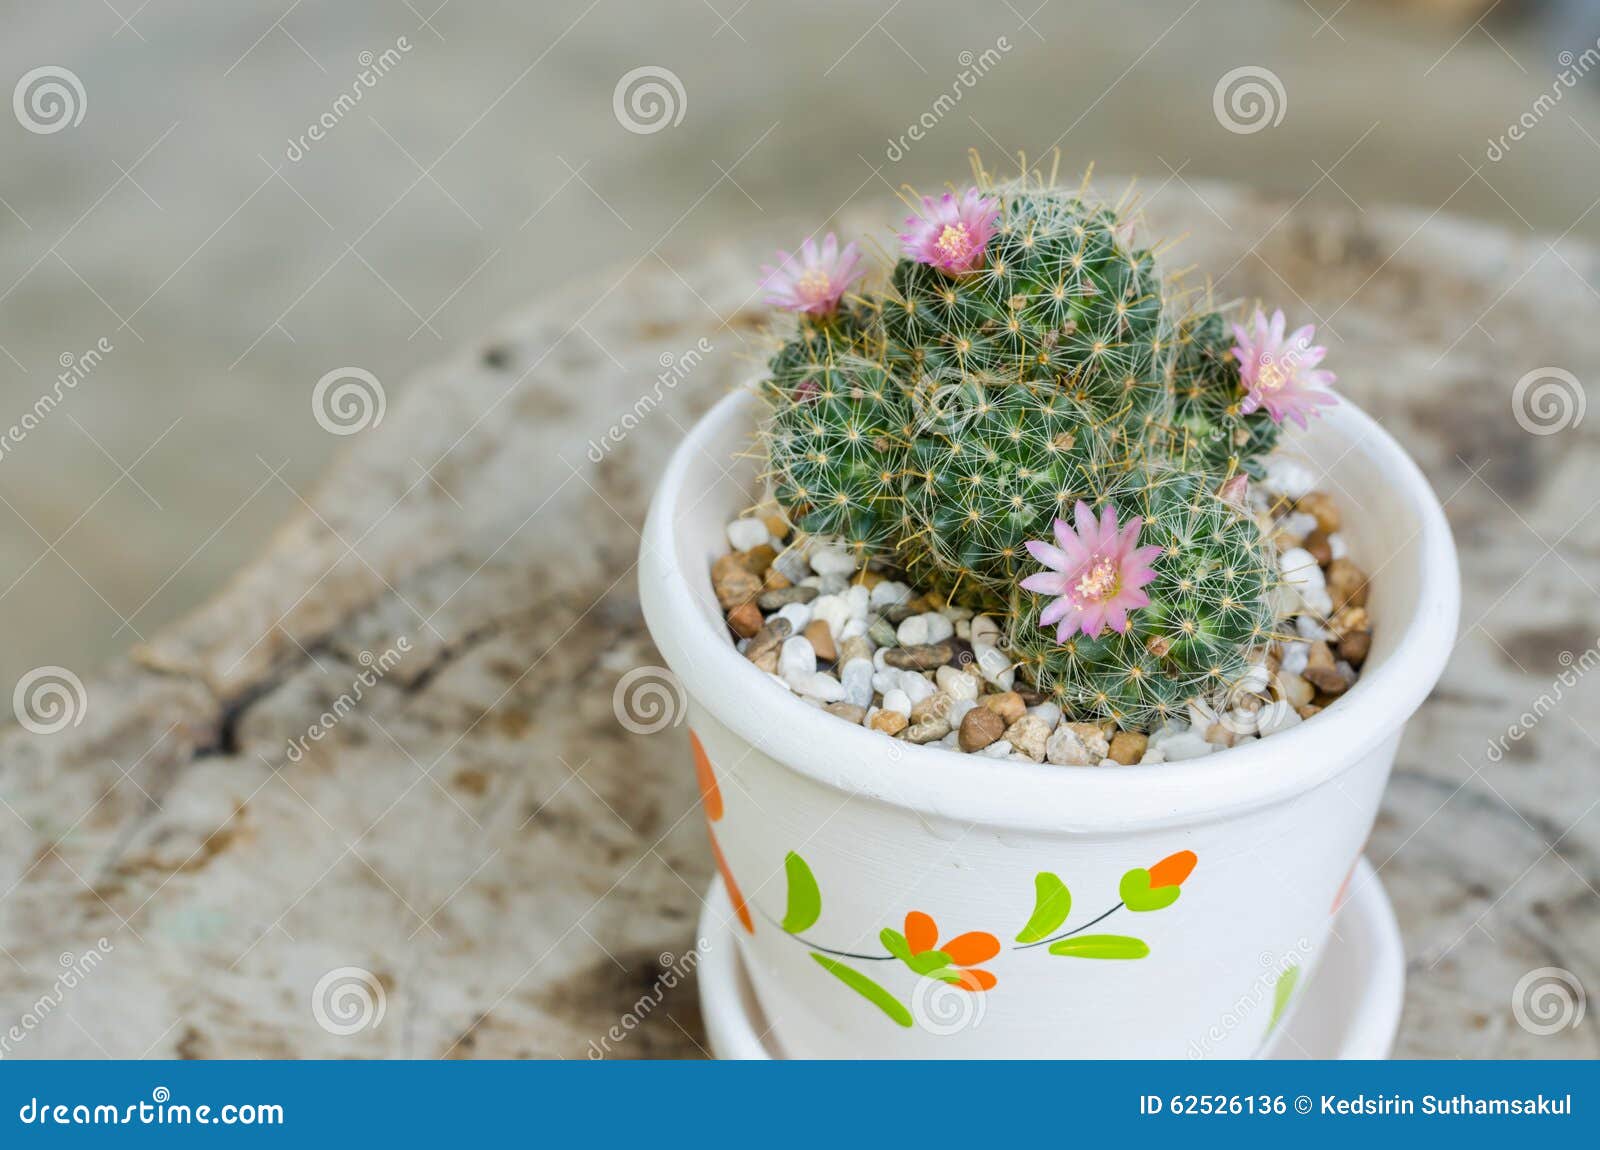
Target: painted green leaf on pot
(866, 988)
(928, 962)
(805, 900)
(1281, 994)
(1052, 902)
(1101, 946)
(1138, 894)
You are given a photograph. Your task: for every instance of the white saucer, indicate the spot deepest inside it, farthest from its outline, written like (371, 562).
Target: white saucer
(1350, 1006)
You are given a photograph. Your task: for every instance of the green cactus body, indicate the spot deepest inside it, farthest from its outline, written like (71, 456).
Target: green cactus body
(1210, 433)
(836, 436)
(993, 467)
(1211, 607)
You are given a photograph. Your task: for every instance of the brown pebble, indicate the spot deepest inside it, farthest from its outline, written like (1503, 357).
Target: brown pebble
(1308, 710)
(1007, 704)
(777, 525)
(745, 620)
(919, 657)
(821, 636)
(733, 582)
(1318, 658)
(935, 706)
(1319, 548)
(764, 645)
(869, 578)
(927, 731)
(758, 558)
(1348, 620)
(1321, 505)
(979, 728)
(1128, 747)
(1326, 680)
(850, 712)
(1028, 736)
(889, 722)
(772, 600)
(1355, 646)
(775, 580)
(1347, 584)
(1032, 698)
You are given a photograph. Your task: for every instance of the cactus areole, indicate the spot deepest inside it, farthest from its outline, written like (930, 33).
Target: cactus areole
(1025, 417)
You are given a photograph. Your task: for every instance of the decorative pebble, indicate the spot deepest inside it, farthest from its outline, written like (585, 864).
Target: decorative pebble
(798, 614)
(1066, 749)
(744, 534)
(1128, 747)
(848, 711)
(889, 722)
(1288, 477)
(821, 636)
(881, 632)
(888, 593)
(1047, 713)
(999, 749)
(1008, 705)
(832, 561)
(898, 701)
(765, 644)
(922, 657)
(1027, 736)
(856, 677)
(956, 682)
(820, 685)
(745, 620)
(1187, 745)
(733, 583)
(915, 687)
(979, 728)
(1347, 585)
(858, 602)
(774, 600)
(1304, 577)
(797, 660)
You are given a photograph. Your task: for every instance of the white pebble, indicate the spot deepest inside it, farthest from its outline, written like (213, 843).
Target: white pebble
(744, 534)
(958, 711)
(886, 680)
(1050, 713)
(821, 685)
(889, 593)
(897, 700)
(833, 610)
(1151, 757)
(915, 687)
(1297, 524)
(963, 628)
(1189, 745)
(853, 628)
(1288, 477)
(996, 668)
(797, 659)
(832, 584)
(832, 561)
(811, 581)
(1294, 657)
(1309, 629)
(951, 741)
(913, 631)
(798, 614)
(856, 677)
(998, 749)
(858, 599)
(878, 663)
(1304, 577)
(955, 683)
(1337, 547)
(985, 630)
(792, 565)
(939, 628)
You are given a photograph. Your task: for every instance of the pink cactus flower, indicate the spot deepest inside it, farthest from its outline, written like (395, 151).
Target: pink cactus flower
(1279, 373)
(813, 281)
(1096, 571)
(952, 234)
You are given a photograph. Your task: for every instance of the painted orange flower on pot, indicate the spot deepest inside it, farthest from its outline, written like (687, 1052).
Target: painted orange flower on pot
(956, 961)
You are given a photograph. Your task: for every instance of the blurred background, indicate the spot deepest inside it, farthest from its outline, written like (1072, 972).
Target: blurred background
(183, 258)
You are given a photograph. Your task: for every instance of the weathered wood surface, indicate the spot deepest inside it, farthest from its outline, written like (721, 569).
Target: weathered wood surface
(512, 864)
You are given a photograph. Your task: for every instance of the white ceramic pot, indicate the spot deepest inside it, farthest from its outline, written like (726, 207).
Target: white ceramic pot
(842, 846)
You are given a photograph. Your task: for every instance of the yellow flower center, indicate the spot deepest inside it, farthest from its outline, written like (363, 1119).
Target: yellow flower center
(1270, 377)
(1098, 582)
(954, 241)
(814, 285)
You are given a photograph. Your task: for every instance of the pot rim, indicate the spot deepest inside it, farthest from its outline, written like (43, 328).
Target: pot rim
(1042, 796)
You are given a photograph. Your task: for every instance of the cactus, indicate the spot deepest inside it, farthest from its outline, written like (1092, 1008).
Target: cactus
(1020, 367)
(1210, 609)
(1210, 432)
